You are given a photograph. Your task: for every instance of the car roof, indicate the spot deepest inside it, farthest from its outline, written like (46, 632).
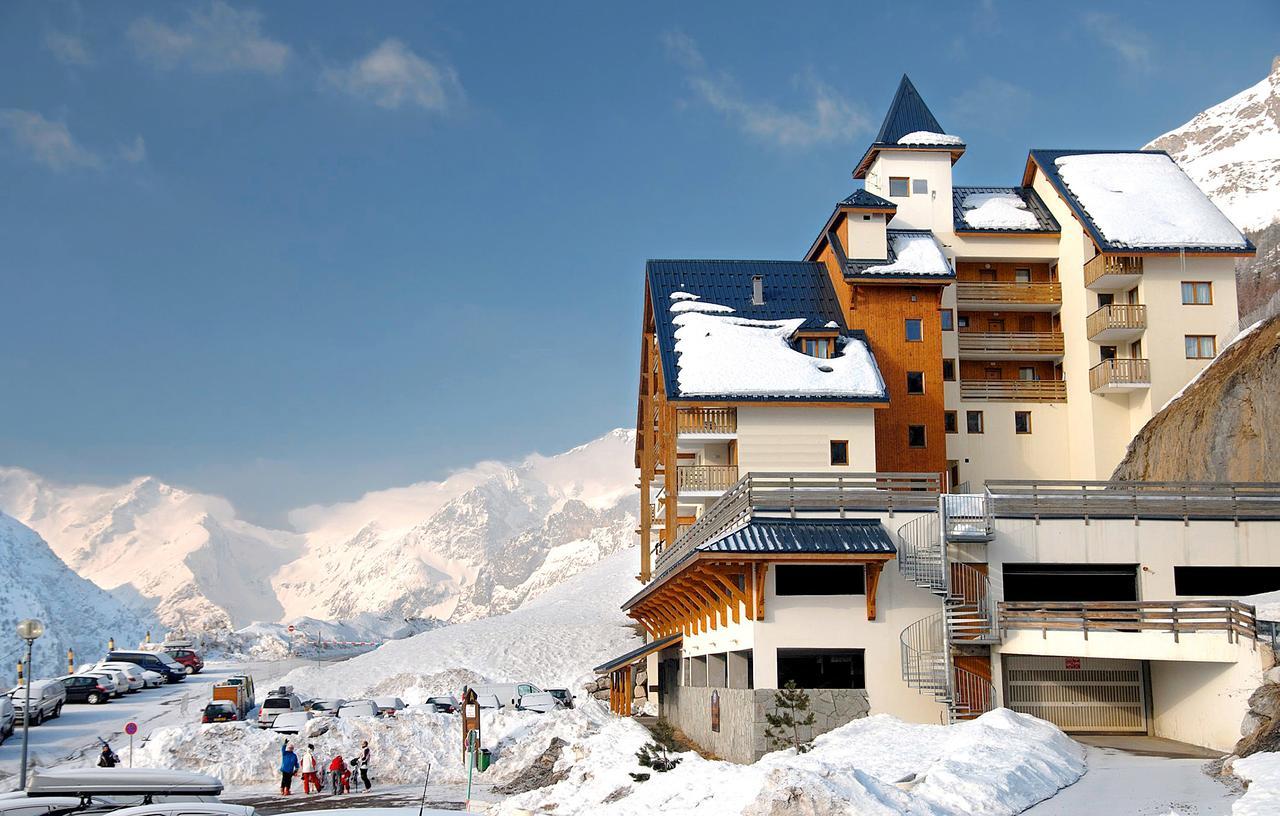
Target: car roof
(80, 781)
(219, 808)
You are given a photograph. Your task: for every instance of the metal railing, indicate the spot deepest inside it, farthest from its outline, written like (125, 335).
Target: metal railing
(1116, 316)
(1048, 342)
(925, 657)
(716, 478)
(1014, 390)
(1183, 501)
(1103, 265)
(1234, 618)
(707, 420)
(971, 609)
(1132, 371)
(921, 556)
(986, 292)
(966, 517)
(972, 695)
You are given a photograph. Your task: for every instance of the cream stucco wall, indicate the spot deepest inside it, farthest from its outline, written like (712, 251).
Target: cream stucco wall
(1203, 703)
(865, 236)
(922, 211)
(779, 438)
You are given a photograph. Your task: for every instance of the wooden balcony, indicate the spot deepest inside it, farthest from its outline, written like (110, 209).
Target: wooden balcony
(1116, 323)
(718, 421)
(996, 295)
(1014, 390)
(1110, 272)
(1119, 375)
(1172, 501)
(706, 478)
(1233, 618)
(1011, 345)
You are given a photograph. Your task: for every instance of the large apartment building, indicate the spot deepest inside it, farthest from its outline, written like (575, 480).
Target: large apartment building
(879, 471)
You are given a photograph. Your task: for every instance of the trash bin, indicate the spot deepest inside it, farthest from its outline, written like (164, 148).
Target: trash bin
(483, 758)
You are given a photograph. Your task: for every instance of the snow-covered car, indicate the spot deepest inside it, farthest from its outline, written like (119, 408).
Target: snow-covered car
(563, 695)
(388, 706)
(326, 708)
(359, 708)
(47, 699)
(187, 809)
(275, 705)
(7, 718)
(445, 704)
(291, 722)
(108, 680)
(18, 803)
(488, 701)
(132, 673)
(519, 695)
(541, 701)
(153, 679)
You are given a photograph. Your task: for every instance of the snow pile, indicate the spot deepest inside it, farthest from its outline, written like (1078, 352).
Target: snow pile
(927, 137)
(553, 641)
(916, 253)
(721, 355)
(1144, 200)
(1262, 772)
(1002, 210)
(1000, 763)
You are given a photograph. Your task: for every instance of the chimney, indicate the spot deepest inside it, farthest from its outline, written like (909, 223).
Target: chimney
(757, 290)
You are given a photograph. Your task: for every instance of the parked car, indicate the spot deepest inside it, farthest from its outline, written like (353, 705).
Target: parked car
(388, 706)
(520, 696)
(183, 788)
(291, 722)
(275, 705)
(187, 809)
(188, 659)
(159, 662)
(152, 679)
(358, 708)
(131, 673)
(108, 680)
(444, 705)
(81, 688)
(7, 718)
(217, 711)
(47, 699)
(488, 701)
(563, 695)
(326, 708)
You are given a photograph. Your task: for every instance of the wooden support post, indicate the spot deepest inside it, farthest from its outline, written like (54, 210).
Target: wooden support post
(759, 589)
(873, 569)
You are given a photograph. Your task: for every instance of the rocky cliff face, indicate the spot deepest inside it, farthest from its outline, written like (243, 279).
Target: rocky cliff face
(1226, 424)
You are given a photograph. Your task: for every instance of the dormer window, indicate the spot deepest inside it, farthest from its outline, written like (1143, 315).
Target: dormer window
(899, 187)
(824, 348)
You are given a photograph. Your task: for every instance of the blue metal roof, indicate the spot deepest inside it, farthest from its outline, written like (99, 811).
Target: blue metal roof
(1045, 219)
(825, 536)
(907, 114)
(639, 652)
(792, 289)
(1046, 160)
(861, 199)
(856, 268)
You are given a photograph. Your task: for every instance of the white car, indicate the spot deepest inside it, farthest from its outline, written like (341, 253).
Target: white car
(275, 705)
(109, 680)
(7, 718)
(187, 809)
(291, 722)
(47, 699)
(132, 674)
(488, 701)
(358, 708)
(388, 706)
(327, 708)
(153, 679)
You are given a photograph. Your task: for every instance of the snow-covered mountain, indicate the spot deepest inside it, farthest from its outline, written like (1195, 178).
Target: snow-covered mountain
(475, 544)
(77, 614)
(1232, 151)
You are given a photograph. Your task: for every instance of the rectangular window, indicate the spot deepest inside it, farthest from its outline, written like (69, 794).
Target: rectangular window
(1070, 582)
(866, 217)
(973, 421)
(1225, 582)
(839, 451)
(950, 422)
(948, 369)
(816, 347)
(915, 436)
(819, 579)
(919, 186)
(1022, 275)
(962, 322)
(915, 330)
(948, 320)
(1022, 422)
(821, 668)
(1027, 373)
(898, 187)
(915, 382)
(1197, 293)
(1200, 346)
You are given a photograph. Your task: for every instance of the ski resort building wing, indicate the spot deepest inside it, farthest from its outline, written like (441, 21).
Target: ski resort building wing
(880, 471)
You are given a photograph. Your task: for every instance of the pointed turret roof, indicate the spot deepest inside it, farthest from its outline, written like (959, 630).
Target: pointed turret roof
(909, 117)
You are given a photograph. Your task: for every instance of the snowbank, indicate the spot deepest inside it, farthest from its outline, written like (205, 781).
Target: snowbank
(1000, 763)
(1144, 200)
(928, 137)
(1262, 772)
(916, 253)
(1002, 210)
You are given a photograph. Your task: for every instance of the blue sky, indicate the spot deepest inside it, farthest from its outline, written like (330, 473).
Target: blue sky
(290, 252)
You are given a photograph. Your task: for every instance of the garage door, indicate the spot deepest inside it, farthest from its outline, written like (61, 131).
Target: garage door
(1078, 693)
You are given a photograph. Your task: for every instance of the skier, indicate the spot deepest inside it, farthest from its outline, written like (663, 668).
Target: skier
(364, 764)
(307, 764)
(288, 767)
(108, 758)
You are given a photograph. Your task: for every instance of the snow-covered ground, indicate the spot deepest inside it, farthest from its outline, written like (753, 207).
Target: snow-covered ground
(1262, 773)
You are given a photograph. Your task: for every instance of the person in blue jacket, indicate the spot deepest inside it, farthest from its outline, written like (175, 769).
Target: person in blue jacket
(288, 767)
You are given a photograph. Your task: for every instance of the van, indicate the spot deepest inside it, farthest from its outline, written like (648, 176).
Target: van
(524, 696)
(47, 699)
(159, 662)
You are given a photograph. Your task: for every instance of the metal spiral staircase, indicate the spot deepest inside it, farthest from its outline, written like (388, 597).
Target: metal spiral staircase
(968, 613)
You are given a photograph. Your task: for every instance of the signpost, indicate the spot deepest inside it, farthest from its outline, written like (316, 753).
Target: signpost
(131, 728)
(470, 734)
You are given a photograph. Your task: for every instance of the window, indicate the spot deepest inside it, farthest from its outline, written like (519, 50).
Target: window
(866, 216)
(973, 421)
(915, 382)
(839, 451)
(1197, 293)
(1200, 346)
(1027, 373)
(898, 187)
(919, 186)
(1026, 324)
(819, 579)
(915, 436)
(962, 322)
(821, 668)
(948, 320)
(995, 324)
(915, 330)
(816, 346)
(950, 422)
(948, 369)
(1022, 422)
(1226, 582)
(1022, 275)
(1070, 582)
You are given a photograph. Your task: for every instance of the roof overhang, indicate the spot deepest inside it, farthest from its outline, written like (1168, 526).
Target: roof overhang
(636, 654)
(864, 164)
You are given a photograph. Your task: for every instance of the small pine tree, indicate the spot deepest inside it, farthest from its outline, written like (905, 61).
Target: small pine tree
(656, 754)
(791, 713)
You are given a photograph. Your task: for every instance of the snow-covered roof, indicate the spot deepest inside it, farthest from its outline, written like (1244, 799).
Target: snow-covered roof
(928, 137)
(912, 253)
(1139, 201)
(1000, 209)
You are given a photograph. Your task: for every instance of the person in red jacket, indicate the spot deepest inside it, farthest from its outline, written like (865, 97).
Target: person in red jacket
(341, 775)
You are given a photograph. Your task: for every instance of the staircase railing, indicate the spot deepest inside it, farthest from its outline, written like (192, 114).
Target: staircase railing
(925, 657)
(972, 694)
(967, 517)
(971, 608)
(922, 557)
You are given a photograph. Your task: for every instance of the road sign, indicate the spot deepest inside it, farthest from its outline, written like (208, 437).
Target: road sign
(292, 629)
(131, 728)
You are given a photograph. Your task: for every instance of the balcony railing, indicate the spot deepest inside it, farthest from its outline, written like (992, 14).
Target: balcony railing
(1181, 501)
(1014, 390)
(1013, 343)
(1001, 292)
(791, 495)
(707, 421)
(703, 478)
(1122, 267)
(1120, 373)
(1234, 618)
(1123, 316)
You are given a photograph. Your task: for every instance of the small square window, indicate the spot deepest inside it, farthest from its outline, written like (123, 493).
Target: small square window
(1200, 346)
(948, 369)
(899, 187)
(915, 382)
(1197, 293)
(866, 216)
(915, 436)
(948, 320)
(915, 330)
(950, 422)
(962, 322)
(973, 422)
(1027, 373)
(1022, 422)
(839, 451)
(919, 186)
(1022, 275)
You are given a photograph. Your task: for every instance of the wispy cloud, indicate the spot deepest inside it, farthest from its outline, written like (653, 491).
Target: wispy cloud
(990, 104)
(134, 152)
(45, 141)
(213, 38)
(1132, 45)
(825, 116)
(67, 49)
(392, 76)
